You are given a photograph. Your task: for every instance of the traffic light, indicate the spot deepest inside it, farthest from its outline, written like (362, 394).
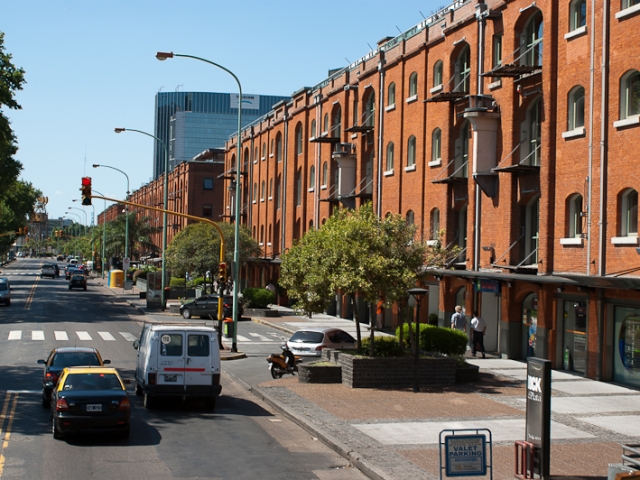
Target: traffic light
(222, 273)
(86, 190)
(20, 231)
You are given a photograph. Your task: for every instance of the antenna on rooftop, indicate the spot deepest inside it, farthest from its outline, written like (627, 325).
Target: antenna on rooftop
(370, 47)
(160, 89)
(398, 29)
(178, 87)
(347, 60)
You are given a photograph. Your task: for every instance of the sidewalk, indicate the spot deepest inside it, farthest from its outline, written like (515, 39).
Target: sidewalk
(394, 434)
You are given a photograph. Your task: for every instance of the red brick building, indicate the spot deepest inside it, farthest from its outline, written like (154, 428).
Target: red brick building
(511, 123)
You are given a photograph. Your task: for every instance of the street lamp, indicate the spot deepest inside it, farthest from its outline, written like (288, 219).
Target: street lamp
(236, 247)
(80, 222)
(417, 294)
(166, 201)
(86, 221)
(104, 231)
(126, 208)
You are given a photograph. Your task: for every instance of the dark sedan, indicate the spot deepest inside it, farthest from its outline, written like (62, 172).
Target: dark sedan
(90, 399)
(59, 358)
(78, 280)
(207, 307)
(69, 271)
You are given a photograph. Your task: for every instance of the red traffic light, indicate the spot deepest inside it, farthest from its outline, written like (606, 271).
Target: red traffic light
(86, 181)
(86, 190)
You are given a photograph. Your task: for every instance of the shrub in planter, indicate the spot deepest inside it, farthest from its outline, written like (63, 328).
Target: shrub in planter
(197, 281)
(433, 319)
(258, 297)
(405, 332)
(177, 282)
(438, 339)
(382, 347)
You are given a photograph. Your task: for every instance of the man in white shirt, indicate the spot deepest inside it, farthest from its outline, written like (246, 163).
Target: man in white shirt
(478, 328)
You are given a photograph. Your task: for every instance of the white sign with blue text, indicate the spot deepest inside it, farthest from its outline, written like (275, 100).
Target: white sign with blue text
(465, 455)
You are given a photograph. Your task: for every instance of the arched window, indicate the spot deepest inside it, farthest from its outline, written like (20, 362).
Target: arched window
(389, 165)
(413, 85)
(278, 194)
(435, 224)
(531, 41)
(629, 213)
(325, 174)
(436, 146)
(273, 145)
(264, 150)
(336, 122)
(531, 229)
(437, 74)
(279, 147)
(325, 125)
(261, 234)
(263, 189)
(574, 216)
(463, 70)
(312, 177)
(410, 217)
(255, 154)
(461, 163)
(270, 188)
(255, 192)
(531, 135)
(576, 108)
(391, 94)
(298, 188)
(411, 151)
(370, 110)
(578, 14)
(313, 128)
(630, 95)
(299, 139)
(356, 120)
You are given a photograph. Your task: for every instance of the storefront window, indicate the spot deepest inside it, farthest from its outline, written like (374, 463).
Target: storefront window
(529, 325)
(626, 363)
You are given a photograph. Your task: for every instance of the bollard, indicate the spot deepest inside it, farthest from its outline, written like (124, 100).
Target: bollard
(524, 459)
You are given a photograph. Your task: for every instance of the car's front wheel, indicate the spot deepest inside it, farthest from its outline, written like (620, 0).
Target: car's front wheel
(186, 313)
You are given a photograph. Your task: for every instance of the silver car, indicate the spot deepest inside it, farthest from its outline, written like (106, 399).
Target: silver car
(5, 291)
(311, 341)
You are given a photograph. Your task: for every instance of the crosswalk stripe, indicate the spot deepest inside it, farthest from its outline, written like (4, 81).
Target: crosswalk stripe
(106, 336)
(240, 338)
(260, 337)
(37, 335)
(61, 335)
(128, 336)
(84, 335)
(15, 334)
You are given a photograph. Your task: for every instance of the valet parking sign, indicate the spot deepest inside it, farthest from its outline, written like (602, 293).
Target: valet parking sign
(465, 455)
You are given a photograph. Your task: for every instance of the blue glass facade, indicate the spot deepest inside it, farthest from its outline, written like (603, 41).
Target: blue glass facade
(190, 122)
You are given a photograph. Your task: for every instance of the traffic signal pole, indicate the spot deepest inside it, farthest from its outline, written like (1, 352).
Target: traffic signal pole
(184, 215)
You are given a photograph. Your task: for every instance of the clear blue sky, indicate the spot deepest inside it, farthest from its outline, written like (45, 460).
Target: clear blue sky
(90, 67)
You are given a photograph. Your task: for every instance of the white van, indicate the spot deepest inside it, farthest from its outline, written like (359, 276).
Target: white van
(180, 360)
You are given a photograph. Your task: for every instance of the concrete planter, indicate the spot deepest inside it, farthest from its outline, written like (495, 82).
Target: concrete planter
(260, 312)
(468, 373)
(318, 373)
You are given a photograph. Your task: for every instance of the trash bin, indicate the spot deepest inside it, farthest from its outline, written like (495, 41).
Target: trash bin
(116, 279)
(227, 328)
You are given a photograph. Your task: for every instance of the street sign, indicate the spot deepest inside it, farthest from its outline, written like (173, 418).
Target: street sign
(538, 426)
(465, 452)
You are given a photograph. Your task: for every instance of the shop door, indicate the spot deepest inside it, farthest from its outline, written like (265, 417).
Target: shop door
(575, 336)
(490, 315)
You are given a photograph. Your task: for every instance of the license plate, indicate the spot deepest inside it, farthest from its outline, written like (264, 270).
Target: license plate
(94, 408)
(170, 378)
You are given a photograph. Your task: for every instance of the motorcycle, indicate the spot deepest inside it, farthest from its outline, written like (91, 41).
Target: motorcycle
(286, 362)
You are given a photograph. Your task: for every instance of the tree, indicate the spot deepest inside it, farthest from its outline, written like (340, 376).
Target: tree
(16, 204)
(140, 232)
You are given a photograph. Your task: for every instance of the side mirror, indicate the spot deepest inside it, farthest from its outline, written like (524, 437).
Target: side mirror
(136, 344)
(106, 362)
(41, 362)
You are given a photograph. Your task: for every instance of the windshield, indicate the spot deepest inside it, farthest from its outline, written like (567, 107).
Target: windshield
(74, 359)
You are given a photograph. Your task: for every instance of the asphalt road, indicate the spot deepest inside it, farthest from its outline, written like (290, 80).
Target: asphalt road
(240, 439)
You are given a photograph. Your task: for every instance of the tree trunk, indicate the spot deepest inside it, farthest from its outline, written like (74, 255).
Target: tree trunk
(372, 328)
(356, 315)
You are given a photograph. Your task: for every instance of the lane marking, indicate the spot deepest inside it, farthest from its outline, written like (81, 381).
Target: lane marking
(107, 336)
(37, 335)
(260, 337)
(128, 336)
(32, 292)
(84, 336)
(61, 335)
(7, 436)
(15, 335)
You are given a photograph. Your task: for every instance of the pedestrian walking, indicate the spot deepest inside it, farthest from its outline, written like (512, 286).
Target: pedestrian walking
(271, 287)
(379, 314)
(478, 328)
(458, 320)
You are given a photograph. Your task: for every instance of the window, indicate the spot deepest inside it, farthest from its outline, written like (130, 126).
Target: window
(299, 139)
(255, 192)
(574, 216)
(325, 174)
(208, 184)
(356, 121)
(264, 150)
(461, 160)
(270, 188)
(336, 122)
(273, 143)
(531, 41)
(463, 70)
(172, 348)
(313, 129)
(437, 74)
(278, 191)
(411, 151)
(279, 147)
(413, 85)
(263, 189)
(578, 14)
(370, 110)
(629, 213)
(436, 147)
(298, 189)
(410, 217)
(391, 94)
(497, 50)
(630, 3)
(531, 134)
(207, 211)
(325, 125)
(531, 229)
(435, 224)
(576, 108)
(312, 178)
(389, 166)
(630, 95)
(198, 345)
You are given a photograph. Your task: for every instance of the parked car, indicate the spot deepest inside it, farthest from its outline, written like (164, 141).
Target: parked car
(62, 357)
(90, 399)
(207, 306)
(163, 353)
(78, 280)
(311, 341)
(5, 291)
(48, 270)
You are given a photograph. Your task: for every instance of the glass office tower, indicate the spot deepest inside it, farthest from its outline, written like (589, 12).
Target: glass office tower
(191, 122)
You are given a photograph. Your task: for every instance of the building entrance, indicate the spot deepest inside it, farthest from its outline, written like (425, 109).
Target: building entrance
(574, 343)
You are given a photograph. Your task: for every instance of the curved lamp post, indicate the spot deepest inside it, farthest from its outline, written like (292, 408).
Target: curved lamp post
(236, 247)
(126, 208)
(104, 231)
(86, 219)
(166, 200)
(417, 293)
(80, 222)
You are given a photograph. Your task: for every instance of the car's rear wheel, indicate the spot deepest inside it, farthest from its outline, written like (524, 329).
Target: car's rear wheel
(46, 403)
(54, 429)
(186, 314)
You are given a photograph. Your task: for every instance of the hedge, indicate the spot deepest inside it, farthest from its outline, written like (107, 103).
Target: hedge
(382, 347)
(438, 339)
(258, 297)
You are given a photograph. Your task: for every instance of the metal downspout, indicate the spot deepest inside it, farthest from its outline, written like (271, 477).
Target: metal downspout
(478, 194)
(380, 134)
(285, 151)
(591, 98)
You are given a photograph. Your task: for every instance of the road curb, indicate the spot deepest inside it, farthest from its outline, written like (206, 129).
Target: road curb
(277, 326)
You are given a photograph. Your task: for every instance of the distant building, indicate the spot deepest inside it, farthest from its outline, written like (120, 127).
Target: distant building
(191, 122)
